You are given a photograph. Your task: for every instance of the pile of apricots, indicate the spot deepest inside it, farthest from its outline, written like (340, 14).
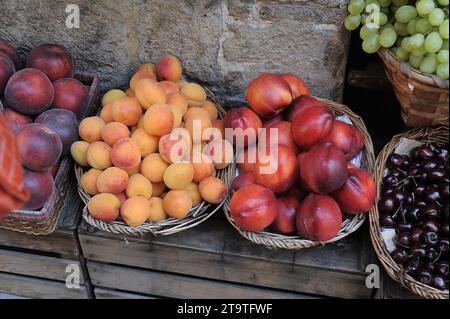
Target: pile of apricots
(143, 162)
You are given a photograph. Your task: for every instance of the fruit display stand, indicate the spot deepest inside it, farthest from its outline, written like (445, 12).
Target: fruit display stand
(213, 261)
(35, 266)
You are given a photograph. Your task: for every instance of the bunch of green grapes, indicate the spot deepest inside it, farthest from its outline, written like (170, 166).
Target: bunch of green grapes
(416, 31)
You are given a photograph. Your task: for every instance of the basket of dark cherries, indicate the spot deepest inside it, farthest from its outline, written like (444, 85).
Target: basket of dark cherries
(414, 202)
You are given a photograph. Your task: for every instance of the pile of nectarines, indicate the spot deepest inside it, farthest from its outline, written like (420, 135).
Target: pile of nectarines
(44, 93)
(293, 159)
(153, 150)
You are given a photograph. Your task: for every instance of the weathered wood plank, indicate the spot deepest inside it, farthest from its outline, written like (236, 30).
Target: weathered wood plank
(214, 250)
(114, 294)
(60, 242)
(38, 288)
(175, 286)
(36, 265)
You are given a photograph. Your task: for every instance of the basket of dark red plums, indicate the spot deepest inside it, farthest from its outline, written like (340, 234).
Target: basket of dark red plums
(409, 226)
(43, 99)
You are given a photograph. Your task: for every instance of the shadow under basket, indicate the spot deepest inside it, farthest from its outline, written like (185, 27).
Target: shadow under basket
(198, 214)
(423, 97)
(437, 135)
(44, 221)
(350, 224)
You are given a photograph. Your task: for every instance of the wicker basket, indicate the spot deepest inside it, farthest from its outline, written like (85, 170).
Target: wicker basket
(44, 221)
(439, 136)
(197, 215)
(351, 222)
(423, 97)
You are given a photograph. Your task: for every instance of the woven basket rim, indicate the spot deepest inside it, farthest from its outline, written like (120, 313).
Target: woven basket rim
(389, 57)
(198, 214)
(391, 267)
(350, 224)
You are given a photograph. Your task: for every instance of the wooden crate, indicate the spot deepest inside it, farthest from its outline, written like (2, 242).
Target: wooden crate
(35, 266)
(213, 260)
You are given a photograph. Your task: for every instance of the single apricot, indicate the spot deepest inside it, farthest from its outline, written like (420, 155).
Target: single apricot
(177, 203)
(98, 155)
(147, 143)
(112, 95)
(153, 168)
(135, 211)
(157, 212)
(194, 93)
(159, 120)
(112, 180)
(89, 181)
(169, 68)
(78, 150)
(104, 207)
(114, 131)
(90, 129)
(148, 92)
(125, 154)
(213, 190)
(138, 185)
(179, 175)
(126, 110)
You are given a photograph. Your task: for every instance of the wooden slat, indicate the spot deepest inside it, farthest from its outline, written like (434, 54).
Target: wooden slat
(36, 265)
(175, 286)
(114, 294)
(38, 288)
(215, 250)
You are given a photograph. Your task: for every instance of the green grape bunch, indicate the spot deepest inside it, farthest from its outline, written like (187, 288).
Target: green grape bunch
(416, 31)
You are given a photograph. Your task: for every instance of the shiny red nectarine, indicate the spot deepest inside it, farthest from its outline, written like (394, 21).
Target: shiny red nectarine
(312, 125)
(323, 168)
(318, 217)
(70, 94)
(253, 207)
(357, 194)
(52, 59)
(268, 94)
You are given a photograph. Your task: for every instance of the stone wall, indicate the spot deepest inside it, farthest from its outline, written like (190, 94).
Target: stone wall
(223, 44)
